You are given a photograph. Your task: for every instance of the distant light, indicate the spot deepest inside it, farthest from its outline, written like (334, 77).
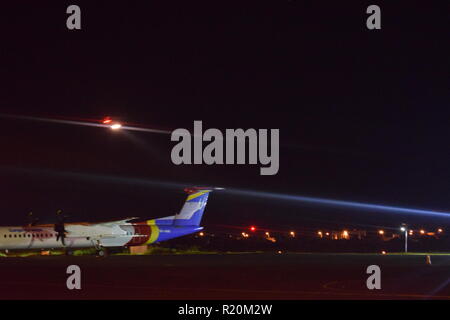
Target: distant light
(327, 233)
(383, 252)
(107, 120)
(253, 228)
(267, 234)
(320, 233)
(381, 231)
(403, 229)
(345, 234)
(279, 252)
(411, 232)
(439, 230)
(201, 234)
(292, 233)
(116, 126)
(422, 231)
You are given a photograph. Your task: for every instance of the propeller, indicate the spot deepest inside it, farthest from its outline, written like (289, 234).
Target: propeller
(59, 227)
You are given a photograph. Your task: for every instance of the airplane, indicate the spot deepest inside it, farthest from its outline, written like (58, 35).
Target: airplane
(103, 236)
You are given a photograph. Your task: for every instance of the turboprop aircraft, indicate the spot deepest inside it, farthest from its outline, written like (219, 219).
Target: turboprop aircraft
(102, 236)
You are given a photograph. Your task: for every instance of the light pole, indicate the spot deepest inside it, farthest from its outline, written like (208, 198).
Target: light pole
(405, 230)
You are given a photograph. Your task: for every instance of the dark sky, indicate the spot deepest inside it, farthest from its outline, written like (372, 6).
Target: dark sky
(363, 115)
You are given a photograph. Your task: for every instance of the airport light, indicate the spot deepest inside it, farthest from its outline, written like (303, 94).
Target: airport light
(267, 234)
(439, 230)
(383, 252)
(422, 231)
(292, 234)
(107, 120)
(381, 232)
(405, 230)
(327, 234)
(320, 234)
(411, 232)
(345, 234)
(112, 124)
(201, 234)
(253, 228)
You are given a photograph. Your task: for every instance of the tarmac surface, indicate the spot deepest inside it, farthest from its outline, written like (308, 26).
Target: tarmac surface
(227, 276)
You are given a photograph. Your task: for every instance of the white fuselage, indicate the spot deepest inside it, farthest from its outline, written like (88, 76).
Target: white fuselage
(77, 236)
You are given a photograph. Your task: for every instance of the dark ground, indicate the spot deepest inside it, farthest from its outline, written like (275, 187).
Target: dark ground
(232, 276)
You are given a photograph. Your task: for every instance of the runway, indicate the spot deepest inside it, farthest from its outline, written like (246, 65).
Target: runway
(227, 276)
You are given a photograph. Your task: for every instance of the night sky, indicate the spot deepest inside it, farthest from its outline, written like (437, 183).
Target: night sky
(363, 115)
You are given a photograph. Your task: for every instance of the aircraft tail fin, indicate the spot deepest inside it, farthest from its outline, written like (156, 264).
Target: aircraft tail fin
(192, 211)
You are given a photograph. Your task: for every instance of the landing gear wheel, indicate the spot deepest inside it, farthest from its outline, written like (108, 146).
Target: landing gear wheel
(102, 252)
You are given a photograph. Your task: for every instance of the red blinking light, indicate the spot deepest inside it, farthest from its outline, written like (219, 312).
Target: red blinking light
(107, 120)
